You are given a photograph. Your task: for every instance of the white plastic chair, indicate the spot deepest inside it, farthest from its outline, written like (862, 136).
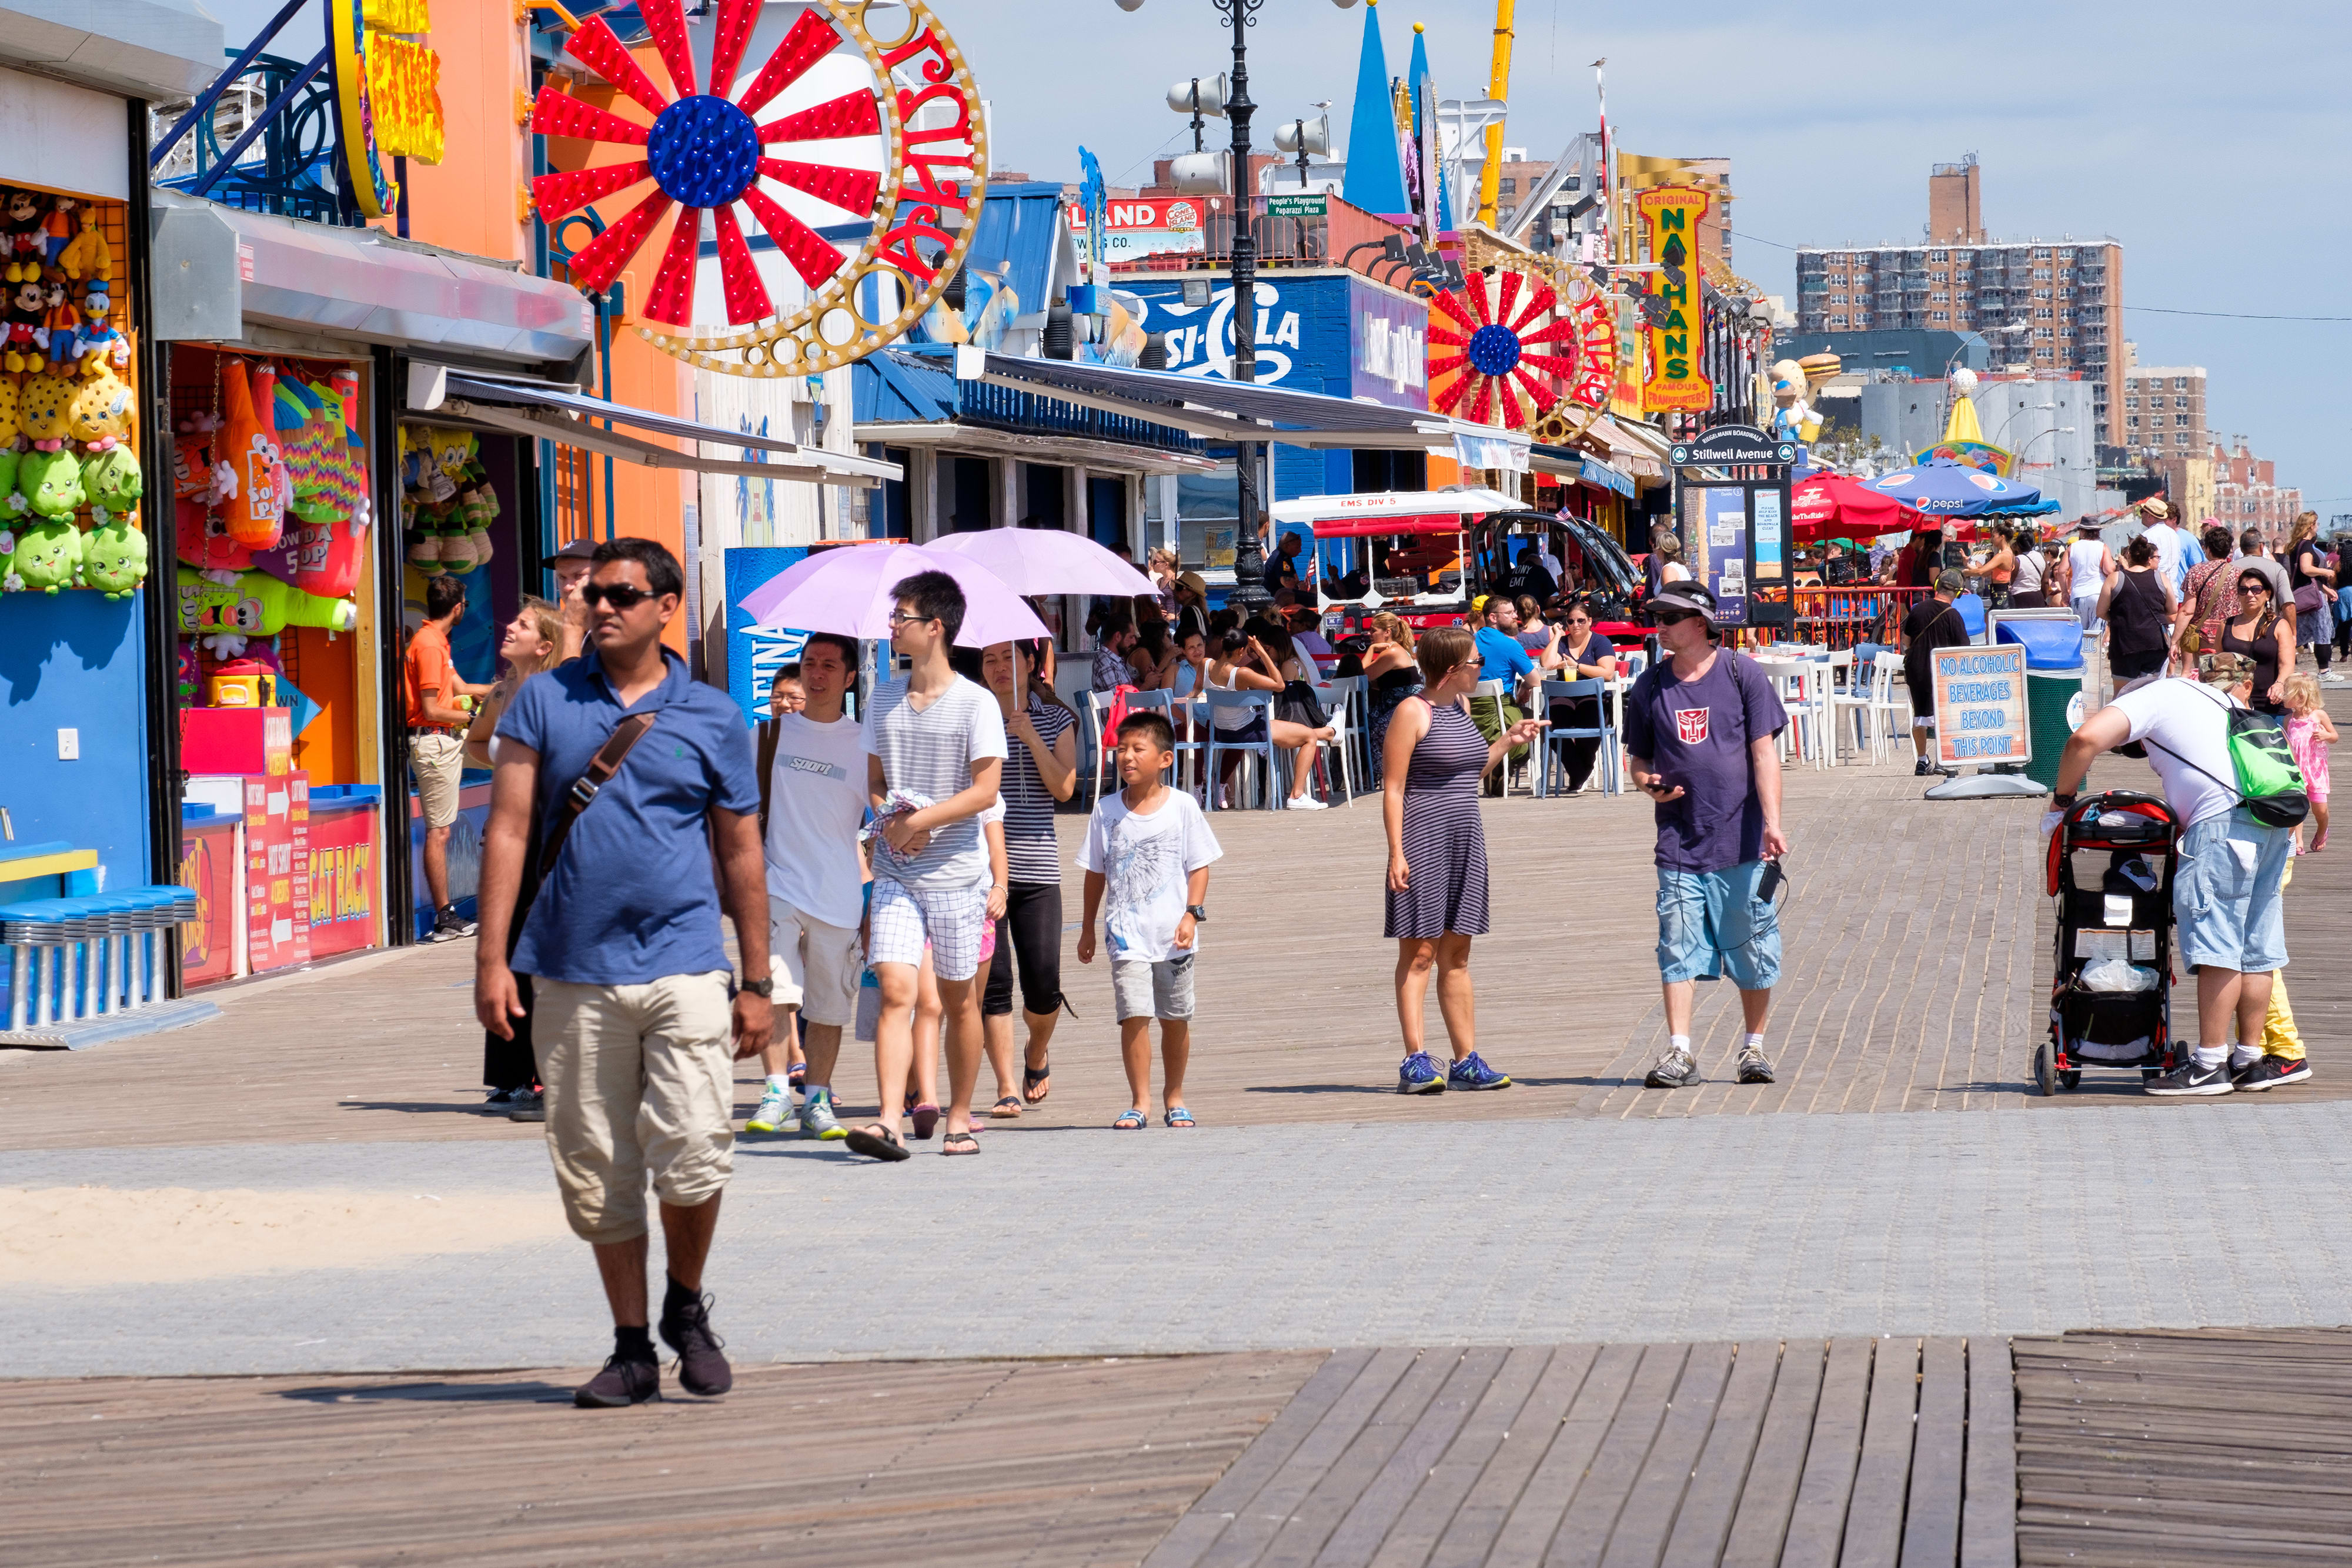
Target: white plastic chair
(1873, 693)
(1335, 699)
(1801, 684)
(1094, 713)
(1158, 703)
(1357, 692)
(1261, 702)
(1501, 691)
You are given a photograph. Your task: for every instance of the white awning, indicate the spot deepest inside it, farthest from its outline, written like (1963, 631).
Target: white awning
(558, 413)
(1464, 502)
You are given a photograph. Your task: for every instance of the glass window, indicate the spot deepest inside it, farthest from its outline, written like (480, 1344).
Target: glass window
(2180, 420)
(2041, 253)
(1943, 315)
(2180, 384)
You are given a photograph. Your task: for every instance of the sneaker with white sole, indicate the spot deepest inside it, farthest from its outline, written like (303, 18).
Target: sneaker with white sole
(1675, 1070)
(1308, 803)
(2190, 1078)
(817, 1120)
(1471, 1072)
(1418, 1074)
(1755, 1067)
(775, 1114)
(2268, 1073)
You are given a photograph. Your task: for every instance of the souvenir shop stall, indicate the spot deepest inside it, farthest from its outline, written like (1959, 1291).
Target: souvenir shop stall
(272, 510)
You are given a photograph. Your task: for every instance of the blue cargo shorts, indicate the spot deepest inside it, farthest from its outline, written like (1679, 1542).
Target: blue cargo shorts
(2225, 896)
(1711, 923)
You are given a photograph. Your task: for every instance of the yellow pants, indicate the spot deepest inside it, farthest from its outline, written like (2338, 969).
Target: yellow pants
(2279, 1036)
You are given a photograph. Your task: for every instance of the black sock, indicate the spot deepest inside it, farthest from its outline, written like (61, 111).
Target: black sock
(677, 1298)
(633, 1342)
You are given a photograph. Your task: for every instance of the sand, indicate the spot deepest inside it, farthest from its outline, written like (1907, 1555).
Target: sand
(81, 1237)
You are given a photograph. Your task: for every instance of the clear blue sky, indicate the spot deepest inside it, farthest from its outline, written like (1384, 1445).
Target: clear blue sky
(2213, 144)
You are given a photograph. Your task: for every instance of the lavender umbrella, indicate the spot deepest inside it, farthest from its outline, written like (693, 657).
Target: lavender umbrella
(852, 592)
(1048, 561)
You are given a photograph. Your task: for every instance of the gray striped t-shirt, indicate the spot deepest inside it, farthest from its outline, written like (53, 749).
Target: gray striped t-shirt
(930, 753)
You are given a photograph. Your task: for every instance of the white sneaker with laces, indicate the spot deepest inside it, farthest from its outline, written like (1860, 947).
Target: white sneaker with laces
(775, 1114)
(1308, 803)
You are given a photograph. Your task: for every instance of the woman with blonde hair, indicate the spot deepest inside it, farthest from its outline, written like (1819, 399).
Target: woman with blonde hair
(533, 642)
(1438, 856)
(2312, 577)
(1391, 676)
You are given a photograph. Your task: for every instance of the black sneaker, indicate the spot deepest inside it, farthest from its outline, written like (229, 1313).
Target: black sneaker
(1921, 768)
(623, 1381)
(1675, 1070)
(528, 1105)
(450, 926)
(686, 1329)
(2190, 1079)
(2269, 1073)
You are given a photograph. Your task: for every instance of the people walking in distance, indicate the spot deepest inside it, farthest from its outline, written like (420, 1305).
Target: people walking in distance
(533, 641)
(1931, 623)
(2225, 895)
(2087, 564)
(1438, 856)
(640, 779)
(935, 751)
(2139, 607)
(1147, 855)
(2311, 576)
(436, 753)
(1041, 769)
(817, 886)
(1698, 734)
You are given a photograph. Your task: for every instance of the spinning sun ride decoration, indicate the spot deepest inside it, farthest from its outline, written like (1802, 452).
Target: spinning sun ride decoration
(706, 153)
(1502, 364)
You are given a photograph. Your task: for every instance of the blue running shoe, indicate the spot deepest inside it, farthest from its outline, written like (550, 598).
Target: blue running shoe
(1471, 1072)
(1419, 1075)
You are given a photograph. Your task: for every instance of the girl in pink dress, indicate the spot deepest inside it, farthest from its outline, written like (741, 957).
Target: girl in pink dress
(2309, 733)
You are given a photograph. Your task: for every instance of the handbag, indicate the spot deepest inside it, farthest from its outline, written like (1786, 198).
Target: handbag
(1298, 704)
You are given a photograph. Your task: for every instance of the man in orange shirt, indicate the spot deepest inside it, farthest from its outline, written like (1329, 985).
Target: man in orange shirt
(437, 752)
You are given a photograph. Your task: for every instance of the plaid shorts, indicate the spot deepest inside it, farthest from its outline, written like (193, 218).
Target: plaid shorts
(950, 919)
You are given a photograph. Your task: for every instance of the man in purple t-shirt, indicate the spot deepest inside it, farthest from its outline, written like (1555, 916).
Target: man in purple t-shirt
(1699, 730)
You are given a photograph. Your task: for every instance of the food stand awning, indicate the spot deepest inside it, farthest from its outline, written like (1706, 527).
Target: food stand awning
(558, 413)
(1216, 410)
(1466, 501)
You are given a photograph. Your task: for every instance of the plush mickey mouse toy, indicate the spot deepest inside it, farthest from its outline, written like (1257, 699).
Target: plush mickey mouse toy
(23, 218)
(28, 310)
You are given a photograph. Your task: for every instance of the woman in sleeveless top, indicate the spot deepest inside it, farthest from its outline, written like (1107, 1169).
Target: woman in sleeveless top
(2208, 597)
(1242, 665)
(2137, 605)
(1438, 856)
(1041, 769)
(2253, 633)
(1390, 676)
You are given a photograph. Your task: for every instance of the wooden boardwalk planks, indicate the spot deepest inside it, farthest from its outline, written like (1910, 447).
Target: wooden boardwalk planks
(2228, 1446)
(1661, 1455)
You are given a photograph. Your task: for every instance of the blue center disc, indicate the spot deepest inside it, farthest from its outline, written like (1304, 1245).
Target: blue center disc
(704, 151)
(1493, 350)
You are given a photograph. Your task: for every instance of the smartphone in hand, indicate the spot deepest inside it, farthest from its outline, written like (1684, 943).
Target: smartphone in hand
(1768, 886)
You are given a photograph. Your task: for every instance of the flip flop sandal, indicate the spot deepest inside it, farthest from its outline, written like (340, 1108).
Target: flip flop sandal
(1036, 1083)
(1128, 1122)
(1006, 1108)
(927, 1119)
(1178, 1116)
(948, 1146)
(877, 1142)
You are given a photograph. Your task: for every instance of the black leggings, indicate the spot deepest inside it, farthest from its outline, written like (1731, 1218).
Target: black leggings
(1032, 929)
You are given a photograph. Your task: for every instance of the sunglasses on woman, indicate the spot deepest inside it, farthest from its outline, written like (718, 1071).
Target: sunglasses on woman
(2255, 587)
(619, 595)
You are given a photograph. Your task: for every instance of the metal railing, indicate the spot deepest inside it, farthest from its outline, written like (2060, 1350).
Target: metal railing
(1842, 617)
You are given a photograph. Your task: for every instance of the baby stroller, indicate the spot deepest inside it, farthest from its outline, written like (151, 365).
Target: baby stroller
(2111, 987)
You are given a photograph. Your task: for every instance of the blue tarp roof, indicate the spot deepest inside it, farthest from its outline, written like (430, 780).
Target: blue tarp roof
(895, 388)
(1019, 226)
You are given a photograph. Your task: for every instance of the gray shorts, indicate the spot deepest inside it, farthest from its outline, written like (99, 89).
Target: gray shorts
(1141, 988)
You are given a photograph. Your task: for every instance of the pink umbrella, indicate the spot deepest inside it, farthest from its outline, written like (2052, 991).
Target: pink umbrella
(852, 592)
(1048, 560)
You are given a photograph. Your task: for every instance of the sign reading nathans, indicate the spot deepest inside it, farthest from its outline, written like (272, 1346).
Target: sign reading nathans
(1673, 382)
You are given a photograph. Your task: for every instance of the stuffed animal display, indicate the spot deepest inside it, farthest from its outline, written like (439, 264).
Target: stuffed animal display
(256, 605)
(48, 555)
(449, 500)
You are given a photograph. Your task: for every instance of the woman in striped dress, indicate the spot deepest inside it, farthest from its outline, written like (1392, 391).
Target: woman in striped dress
(1434, 758)
(1041, 768)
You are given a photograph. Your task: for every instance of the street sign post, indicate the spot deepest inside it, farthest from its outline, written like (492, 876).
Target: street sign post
(1731, 500)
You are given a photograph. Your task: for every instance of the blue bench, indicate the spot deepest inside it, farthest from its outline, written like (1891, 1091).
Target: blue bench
(85, 969)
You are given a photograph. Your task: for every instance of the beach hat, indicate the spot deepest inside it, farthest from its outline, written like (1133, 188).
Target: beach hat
(2155, 510)
(1194, 581)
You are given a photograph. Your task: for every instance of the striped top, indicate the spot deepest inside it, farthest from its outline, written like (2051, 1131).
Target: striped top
(1030, 851)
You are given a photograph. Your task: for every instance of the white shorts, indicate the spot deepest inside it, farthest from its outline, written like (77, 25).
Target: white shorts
(816, 963)
(950, 919)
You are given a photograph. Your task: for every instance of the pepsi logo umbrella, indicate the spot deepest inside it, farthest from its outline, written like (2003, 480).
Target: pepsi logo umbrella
(1947, 489)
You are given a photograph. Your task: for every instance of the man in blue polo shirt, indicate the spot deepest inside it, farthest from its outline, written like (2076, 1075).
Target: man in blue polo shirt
(636, 1037)
(1502, 657)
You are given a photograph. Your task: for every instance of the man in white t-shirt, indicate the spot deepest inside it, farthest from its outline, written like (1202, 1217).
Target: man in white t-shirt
(2089, 564)
(817, 884)
(934, 742)
(2171, 544)
(2230, 923)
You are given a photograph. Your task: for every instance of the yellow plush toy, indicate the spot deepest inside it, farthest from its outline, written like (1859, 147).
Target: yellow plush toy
(45, 408)
(88, 253)
(9, 428)
(101, 410)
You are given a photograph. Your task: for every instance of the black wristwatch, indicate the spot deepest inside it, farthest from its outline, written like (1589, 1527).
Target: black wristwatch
(758, 987)
(1197, 911)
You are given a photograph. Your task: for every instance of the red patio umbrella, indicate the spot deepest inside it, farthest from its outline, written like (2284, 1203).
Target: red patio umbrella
(1831, 506)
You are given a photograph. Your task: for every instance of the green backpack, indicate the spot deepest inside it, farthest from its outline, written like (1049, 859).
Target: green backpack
(2268, 784)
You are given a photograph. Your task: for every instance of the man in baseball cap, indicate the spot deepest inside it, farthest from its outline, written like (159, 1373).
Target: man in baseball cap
(1930, 623)
(571, 565)
(1698, 728)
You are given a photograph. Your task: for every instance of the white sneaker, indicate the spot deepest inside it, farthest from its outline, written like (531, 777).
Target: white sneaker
(817, 1120)
(1308, 803)
(2331, 679)
(775, 1114)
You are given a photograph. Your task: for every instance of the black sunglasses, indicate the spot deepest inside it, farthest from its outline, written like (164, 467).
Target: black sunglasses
(619, 595)
(2255, 586)
(1674, 617)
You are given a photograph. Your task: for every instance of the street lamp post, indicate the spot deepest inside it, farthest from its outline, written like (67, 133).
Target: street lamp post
(1249, 557)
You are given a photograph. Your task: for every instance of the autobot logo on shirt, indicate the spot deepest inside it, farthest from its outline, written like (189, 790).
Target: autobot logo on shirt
(1690, 725)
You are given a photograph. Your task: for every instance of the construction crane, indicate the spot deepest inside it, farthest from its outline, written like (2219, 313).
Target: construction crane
(1498, 86)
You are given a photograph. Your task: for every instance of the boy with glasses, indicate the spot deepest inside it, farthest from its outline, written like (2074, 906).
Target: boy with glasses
(935, 749)
(1698, 734)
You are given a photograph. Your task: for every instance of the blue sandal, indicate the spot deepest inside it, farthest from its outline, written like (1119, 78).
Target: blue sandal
(1178, 1116)
(1128, 1122)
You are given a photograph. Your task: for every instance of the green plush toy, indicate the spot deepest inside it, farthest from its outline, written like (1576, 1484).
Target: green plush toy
(50, 483)
(114, 558)
(13, 505)
(112, 484)
(48, 555)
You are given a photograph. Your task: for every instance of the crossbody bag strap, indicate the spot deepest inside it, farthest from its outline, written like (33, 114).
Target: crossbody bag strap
(583, 791)
(2227, 709)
